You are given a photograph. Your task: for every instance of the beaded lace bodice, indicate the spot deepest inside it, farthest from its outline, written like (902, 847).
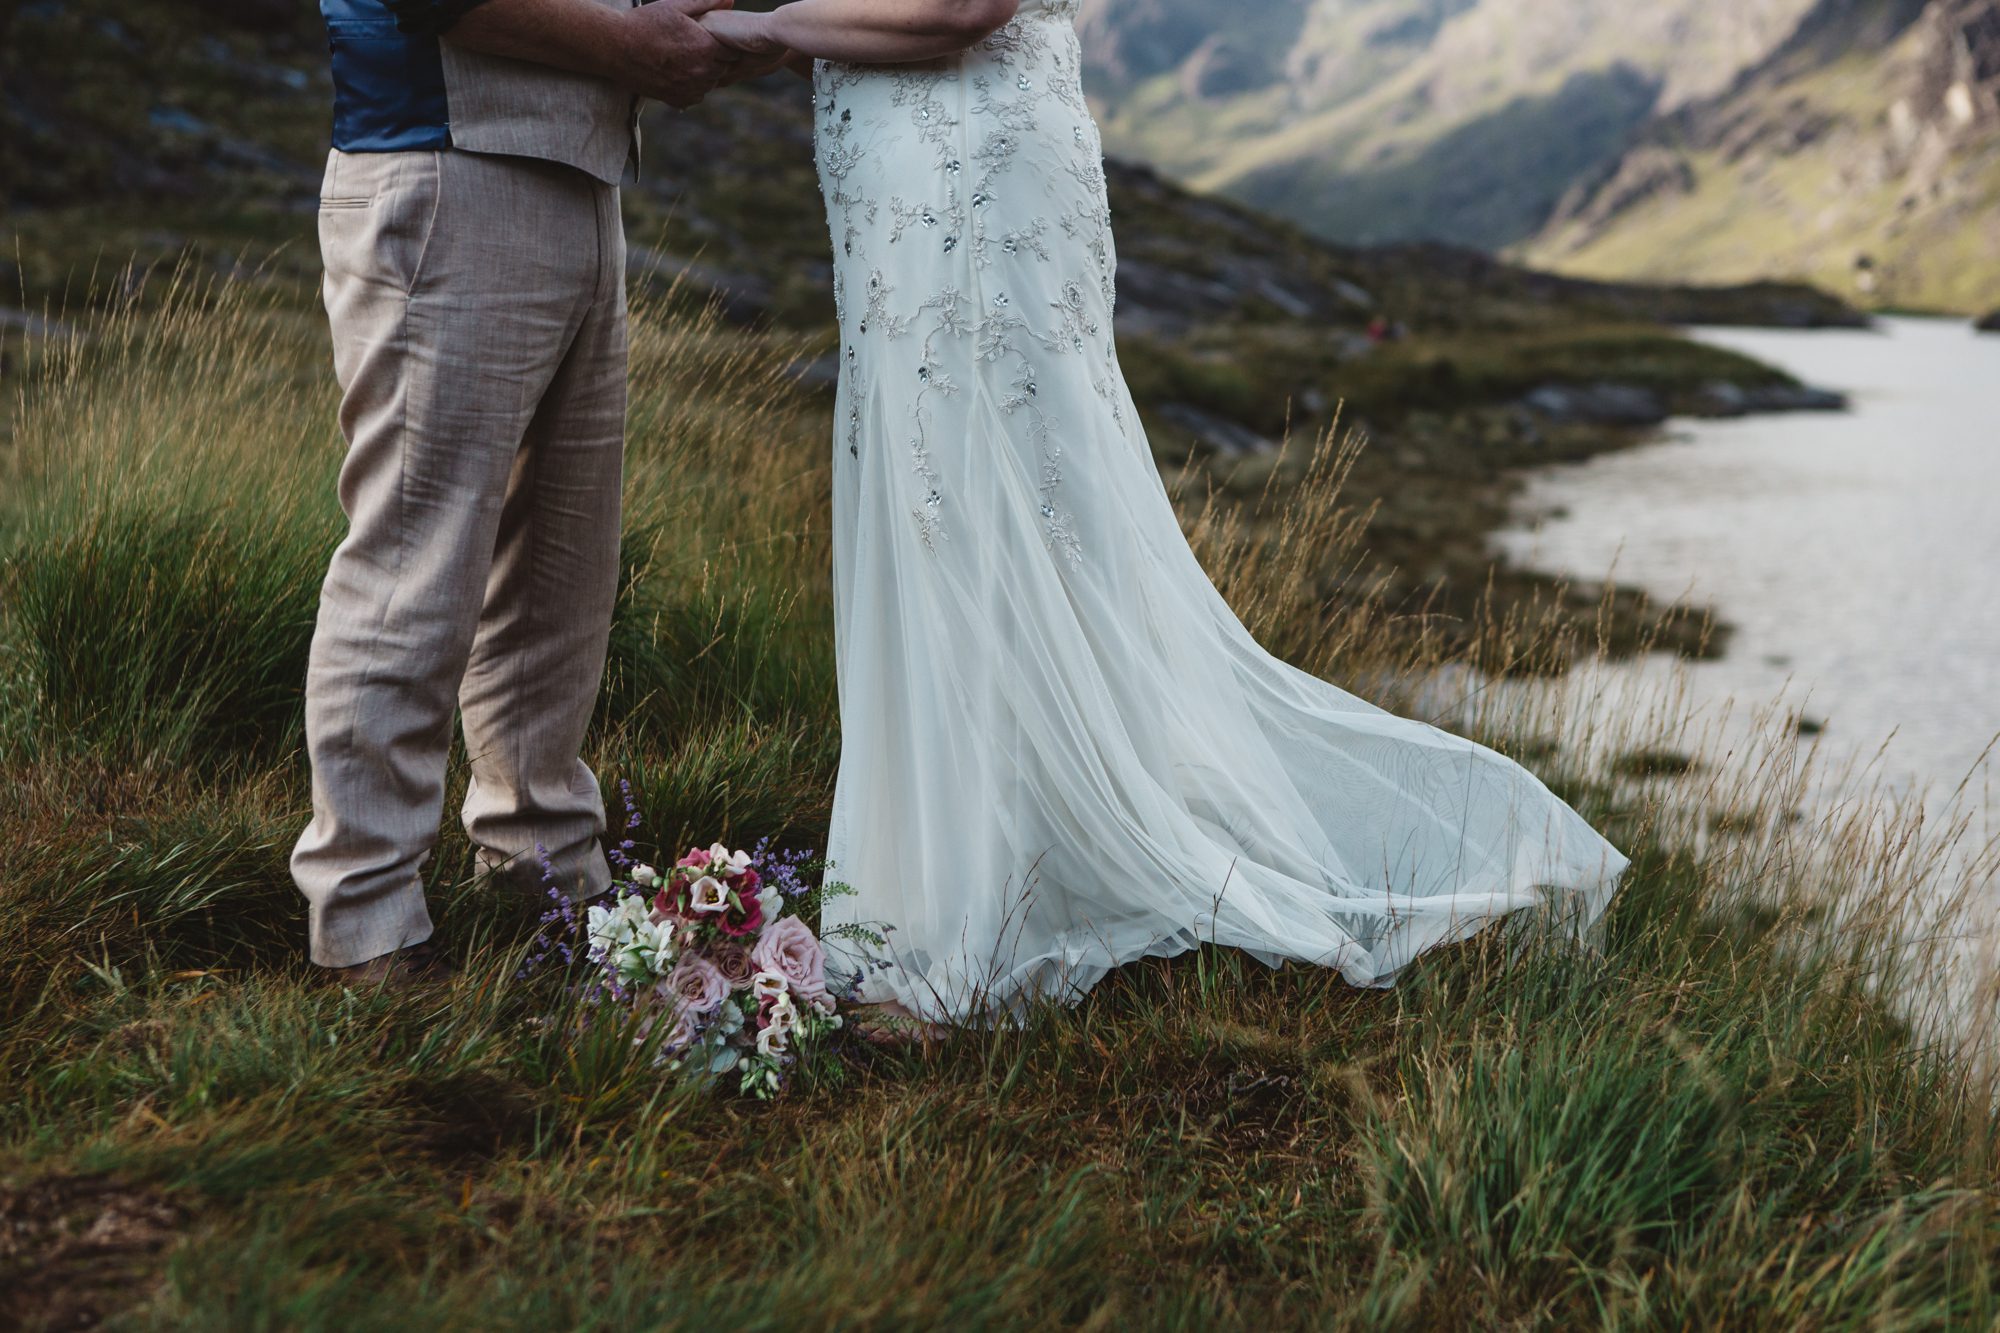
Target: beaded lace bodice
(945, 185)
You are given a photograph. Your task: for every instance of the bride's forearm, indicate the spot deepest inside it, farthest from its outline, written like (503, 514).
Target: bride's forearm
(886, 31)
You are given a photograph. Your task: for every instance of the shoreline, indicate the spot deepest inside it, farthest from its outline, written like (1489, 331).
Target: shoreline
(1443, 485)
(1798, 533)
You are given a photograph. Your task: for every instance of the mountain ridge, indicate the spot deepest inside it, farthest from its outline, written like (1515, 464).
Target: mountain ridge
(1650, 143)
(1878, 177)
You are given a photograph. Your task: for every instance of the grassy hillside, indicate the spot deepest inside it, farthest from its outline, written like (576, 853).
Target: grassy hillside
(1713, 1122)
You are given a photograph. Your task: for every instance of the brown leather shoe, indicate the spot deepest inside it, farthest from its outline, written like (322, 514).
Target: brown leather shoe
(405, 969)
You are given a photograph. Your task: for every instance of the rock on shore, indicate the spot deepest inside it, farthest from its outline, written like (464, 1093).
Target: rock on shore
(1723, 399)
(1612, 404)
(1988, 323)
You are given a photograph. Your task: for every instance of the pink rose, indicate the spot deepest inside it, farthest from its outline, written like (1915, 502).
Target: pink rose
(790, 949)
(733, 961)
(696, 985)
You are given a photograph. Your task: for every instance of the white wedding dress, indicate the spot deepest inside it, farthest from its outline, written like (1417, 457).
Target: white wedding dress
(1061, 751)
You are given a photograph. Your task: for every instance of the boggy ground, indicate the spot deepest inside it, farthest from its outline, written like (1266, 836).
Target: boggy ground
(1714, 1121)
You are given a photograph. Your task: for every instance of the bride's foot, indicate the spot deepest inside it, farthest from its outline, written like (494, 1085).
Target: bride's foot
(891, 1024)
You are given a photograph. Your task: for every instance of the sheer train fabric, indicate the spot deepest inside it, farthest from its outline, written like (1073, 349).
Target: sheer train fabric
(1061, 750)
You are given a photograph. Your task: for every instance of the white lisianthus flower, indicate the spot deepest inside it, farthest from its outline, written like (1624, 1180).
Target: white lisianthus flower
(727, 862)
(770, 901)
(708, 895)
(784, 1014)
(770, 986)
(773, 1041)
(645, 876)
(825, 1005)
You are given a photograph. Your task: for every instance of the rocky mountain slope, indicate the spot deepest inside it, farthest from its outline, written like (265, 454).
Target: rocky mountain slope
(1689, 138)
(1865, 154)
(1461, 120)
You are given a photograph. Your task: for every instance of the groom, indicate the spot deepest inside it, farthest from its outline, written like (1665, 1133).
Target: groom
(475, 266)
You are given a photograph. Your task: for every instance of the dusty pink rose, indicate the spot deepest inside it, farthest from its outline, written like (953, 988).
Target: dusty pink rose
(733, 961)
(790, 949)
(696, 985)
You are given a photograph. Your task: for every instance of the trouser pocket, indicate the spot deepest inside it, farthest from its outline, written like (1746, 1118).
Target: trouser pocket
(377, 215)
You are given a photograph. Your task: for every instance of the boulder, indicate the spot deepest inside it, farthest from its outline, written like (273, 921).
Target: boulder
(1213, 434)
(1720, 398)
(1988, 323)
(1600, 404)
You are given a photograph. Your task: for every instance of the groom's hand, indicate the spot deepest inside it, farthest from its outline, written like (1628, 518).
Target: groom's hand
(670, 57)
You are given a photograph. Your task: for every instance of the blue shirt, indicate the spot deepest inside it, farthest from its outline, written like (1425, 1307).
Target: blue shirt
(388, 78)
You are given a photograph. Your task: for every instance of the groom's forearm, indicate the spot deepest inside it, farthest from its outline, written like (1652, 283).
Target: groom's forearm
(886, 31)
(657, 50)
(577, 35)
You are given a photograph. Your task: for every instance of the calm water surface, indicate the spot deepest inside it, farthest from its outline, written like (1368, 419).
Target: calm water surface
(1857, 555)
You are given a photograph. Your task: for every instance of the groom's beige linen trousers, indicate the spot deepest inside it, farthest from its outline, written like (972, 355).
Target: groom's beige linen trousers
(478, 311)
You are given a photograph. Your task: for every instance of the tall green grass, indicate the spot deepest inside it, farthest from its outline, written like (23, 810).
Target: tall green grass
(1734, 1114)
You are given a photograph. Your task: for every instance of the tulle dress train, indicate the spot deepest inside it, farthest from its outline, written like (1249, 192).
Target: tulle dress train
(1061, 750)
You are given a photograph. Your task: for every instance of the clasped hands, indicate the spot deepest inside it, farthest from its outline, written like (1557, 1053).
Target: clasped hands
(681, 50)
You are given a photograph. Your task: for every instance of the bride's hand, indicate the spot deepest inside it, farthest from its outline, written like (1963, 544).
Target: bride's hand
(749, 34)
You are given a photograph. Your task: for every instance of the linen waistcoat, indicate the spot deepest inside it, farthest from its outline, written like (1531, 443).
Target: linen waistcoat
(395, 91)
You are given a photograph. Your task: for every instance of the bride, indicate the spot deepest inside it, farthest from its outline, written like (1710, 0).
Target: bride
(1061, 751)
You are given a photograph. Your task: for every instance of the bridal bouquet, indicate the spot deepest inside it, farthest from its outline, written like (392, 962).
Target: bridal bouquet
(715, 950)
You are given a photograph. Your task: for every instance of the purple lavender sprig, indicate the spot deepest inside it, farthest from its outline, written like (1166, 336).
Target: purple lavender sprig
(556, 927)
(790, 870)
(622, 856)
